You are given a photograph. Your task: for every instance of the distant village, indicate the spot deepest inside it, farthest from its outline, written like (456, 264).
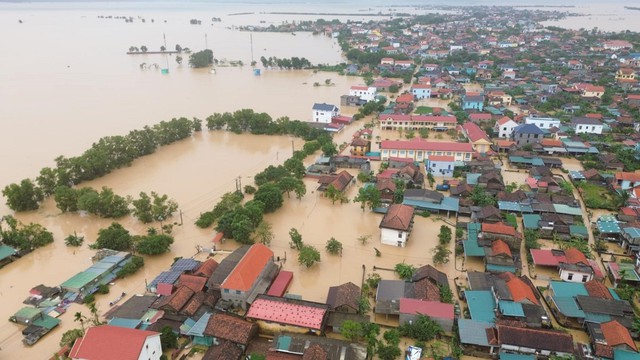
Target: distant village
(523, 139)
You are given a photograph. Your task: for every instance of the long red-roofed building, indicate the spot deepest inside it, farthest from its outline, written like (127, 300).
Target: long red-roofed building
(108, 342)
(439, 312)
(274, 314)
(420, 150)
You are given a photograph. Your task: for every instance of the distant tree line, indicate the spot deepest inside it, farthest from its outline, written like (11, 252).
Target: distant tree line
(290, 63)
(107, 154)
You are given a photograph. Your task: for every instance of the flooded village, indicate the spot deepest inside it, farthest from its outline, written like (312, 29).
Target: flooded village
(433, 182)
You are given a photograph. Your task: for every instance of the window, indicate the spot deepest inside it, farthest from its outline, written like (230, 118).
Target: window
(226, 291)
(585, 278)
(504, 128)
(570, 276)
(399, 235)
(238, 292)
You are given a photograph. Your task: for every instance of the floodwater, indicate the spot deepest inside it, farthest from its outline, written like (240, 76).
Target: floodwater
(68, 75)
(603, 16)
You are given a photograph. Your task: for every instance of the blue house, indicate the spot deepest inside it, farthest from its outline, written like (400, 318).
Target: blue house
(421, 91)
(473, 102)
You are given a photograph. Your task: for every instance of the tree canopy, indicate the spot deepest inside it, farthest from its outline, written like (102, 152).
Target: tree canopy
(308, 256)
(115, 237)
(201, 58)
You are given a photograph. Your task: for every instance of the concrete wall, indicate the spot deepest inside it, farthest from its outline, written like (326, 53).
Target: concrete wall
(151, 349)
(393, 237)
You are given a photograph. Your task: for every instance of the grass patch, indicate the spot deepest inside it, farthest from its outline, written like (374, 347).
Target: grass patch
(422, 110)
(599, 197)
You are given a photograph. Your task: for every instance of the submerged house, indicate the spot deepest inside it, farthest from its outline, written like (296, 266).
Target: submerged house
(396, 225)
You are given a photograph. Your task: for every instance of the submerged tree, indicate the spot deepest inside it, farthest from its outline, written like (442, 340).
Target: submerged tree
(308, 256)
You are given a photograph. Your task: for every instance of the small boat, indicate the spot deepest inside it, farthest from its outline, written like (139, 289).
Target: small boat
(117, 300)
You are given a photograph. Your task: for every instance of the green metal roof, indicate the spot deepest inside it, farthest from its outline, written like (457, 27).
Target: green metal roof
(510, 356)
(508, 206)
(470, 245)
(597, 318)
(500, 268)
(578, 230)
(568, 306)
(511, 308)
(531, 221)
(80, 280)
(620, 354)
(198, 328)
(46, 322)
(126, 323)
(567, 289)
(567, 210)
(608, 224)
(632, 232)
(447, 204)
(481, 305)
(472, 179)
(283, 342)
(6, 251)
(27, 312)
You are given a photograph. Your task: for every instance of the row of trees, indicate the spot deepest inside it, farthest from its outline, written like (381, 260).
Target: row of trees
(107, 204)
(291, 63)
(116, 237)
(106, 155)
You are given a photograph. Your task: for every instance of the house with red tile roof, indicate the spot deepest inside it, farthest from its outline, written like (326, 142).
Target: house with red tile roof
(108, 342)
(609, 336)
(441, 313)
(574, 268)
(231, 328)
(396, 225)
(530, 341)
(420, 149)
(341, 181)
(504, 127)
(344, 298)
(627, 180)
(251, 276)
(477, 137)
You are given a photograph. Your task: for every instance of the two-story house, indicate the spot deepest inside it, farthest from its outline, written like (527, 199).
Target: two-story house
(251, 276)
(473, 102)
(323, 113)
(477, 137)
(527, 134)
(585, 125)
(396, 225)
(420, 150)
(421, 91)
(366, 93)
(504, 127)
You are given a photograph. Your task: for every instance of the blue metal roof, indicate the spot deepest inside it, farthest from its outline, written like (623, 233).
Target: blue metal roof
(596, 318)
(481, 305)
(530, 221)
(511, 308)
(473, 332)
(500, 268)
(608, 224)
(567, 210)
(447, 204)
(632, 232)
(620, 354)
(567, 289)
(125, 323)
(510, 356)
(472, 179)
(324, 107)
(568, 306)
(166, 277)
(198, 328)
(185, 265)
(470, 245)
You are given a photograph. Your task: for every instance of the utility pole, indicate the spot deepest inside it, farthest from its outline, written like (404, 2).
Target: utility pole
(180, 217)
(292, 148)
(251, 40)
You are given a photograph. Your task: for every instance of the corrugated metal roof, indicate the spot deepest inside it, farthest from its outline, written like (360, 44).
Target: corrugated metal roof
(510, 356)
(473, 332)
(596, 318)
(500, 268)
(6, 251)
(568, 306)
(510, 308)
(531, 221)
(125, 323)
(481, 305)
(567, 289)
(568, 210)
(198, 328)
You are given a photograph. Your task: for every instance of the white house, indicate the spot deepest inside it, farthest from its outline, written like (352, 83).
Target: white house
(107, 342)
(396, 225)
(504, 127)
(585, 125)
(575, 267)
(544, 123)
(364, 92)
(323, 113)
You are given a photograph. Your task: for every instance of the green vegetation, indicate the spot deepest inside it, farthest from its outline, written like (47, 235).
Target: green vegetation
(422, 329)
(74, 240)
(405, 271)
(106, 155)
(446, 296)
(131, 267)
(368, 196)
(599, 197)
(69, 337)
(441, 255)
(153, 243)
(201, 59)
(308, 256)
(168, 339)
(296, 239)
(115, 237)
(23, 237)
(290, 63)
(228, 203)
(444, 237)
(263, 233)
(334, 247)
(480, 197)
(153, 208)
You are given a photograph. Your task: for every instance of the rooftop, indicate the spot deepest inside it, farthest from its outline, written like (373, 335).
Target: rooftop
(398, 217)
(287, 311)
(248, 269)
(108, 342)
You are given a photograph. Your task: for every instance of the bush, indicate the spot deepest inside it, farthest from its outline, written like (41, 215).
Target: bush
(103, 289)
(131, 267)
(89, 299)
(248, 189)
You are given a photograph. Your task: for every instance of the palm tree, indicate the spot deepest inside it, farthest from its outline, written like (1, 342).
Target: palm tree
(80, 318)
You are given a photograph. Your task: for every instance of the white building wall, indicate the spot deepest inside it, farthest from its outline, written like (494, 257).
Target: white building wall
(505, 130)
(151, 349)
(574, 276)
(323, 116)
(588, 129)
(393, 237)
(543, 123)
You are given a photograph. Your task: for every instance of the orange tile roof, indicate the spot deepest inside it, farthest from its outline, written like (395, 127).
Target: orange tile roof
(575, 256)
(519, 290)
(195, 283)
(499, 228)
(248, 269)
(398, 217)
(616, 334)
(500, 247)
(628, 176)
